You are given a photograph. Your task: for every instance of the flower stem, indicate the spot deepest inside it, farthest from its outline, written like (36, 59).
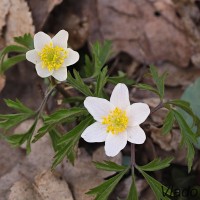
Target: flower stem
(132, 158)
(159, 106)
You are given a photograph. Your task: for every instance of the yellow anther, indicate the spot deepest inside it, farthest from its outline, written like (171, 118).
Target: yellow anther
(52, 57)
(116, 121)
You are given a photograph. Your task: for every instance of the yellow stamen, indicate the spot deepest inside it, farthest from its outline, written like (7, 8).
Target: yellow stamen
(52, 57)
(116, 121)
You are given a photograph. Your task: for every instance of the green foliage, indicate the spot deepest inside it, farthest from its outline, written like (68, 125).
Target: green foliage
(8, 121)
(168, 122)
(67, 143)
(159, 81)
(156, 186)
(132, 195)
(78, 83)
(58, 117)
(55, 137)
(103, 191)
(143, 86)
(121, 78)
(188, 137)
(25, 40)
(25, 43)
(109, 166)
(157, 164)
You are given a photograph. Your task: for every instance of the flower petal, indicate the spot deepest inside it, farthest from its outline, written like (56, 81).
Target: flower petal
(32, 56)
(73, 57)
(137, 113)
(42, 72)
(60, 74)
(136, 135)
(60, 39)
(98, 107)
(40, 40)
(95, 133)
(120, 96)
(115, 143)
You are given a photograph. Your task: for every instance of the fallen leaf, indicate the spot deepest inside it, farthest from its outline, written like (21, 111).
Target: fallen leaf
(4, 8)
(141, 28)
(51, 187)
(19, 20)
(41, 10)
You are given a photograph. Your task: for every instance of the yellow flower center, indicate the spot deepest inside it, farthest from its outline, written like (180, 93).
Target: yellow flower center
(52, 57)
(116, 121)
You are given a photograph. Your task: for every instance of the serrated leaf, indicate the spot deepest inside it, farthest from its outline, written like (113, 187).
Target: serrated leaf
(5, 65)
(188, 138)
(168, 123)
(132, 195)
(156, 186)
(143, 86)
(59, 117)
(25, 40)
(101, 81)
(69, 141)
(121, 78)
(55, 137)
(103, 191)
(18, 106)
(109, 166)
(78, 83)
(157, 164)
(159, 80)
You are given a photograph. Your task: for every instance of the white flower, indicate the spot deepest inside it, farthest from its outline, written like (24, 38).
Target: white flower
(51, 55)
(116, 120)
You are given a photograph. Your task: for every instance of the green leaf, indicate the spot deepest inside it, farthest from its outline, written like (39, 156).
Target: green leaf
(103, 191)
(25, 40)
(12, 61)
(121, 78)
(159, 80)
(160, 191)
(132, 195)
(55, 137)
(157, 164)
(69, 141)
(101, 81)
(147, 87)
(59, 117)
(18, 106)
(10, 120)
(100, 55)
(168, 123)
(109, 166)
(188, 137)
(78, 83)
(13, 48)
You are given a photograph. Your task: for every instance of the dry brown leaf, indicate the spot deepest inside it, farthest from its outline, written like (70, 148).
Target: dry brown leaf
(22, 190)
(150, 31)
(4, 8)
(19, 20)
(41, 9)
(51, 187)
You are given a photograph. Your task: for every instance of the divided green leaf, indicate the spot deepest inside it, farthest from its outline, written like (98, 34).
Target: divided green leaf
(168, 123)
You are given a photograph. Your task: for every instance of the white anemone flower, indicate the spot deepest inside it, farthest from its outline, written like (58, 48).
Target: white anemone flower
(51, 55)
(117, 121)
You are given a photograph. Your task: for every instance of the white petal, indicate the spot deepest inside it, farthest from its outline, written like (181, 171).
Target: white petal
(136, 135)
(40, 40)
(42, 72)
(137, 113)
(60, 39)
(32, 56)
(73, 57)
(95, 133)
(115, 143)
(98, 107)
(60, 74)
(120, 96)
